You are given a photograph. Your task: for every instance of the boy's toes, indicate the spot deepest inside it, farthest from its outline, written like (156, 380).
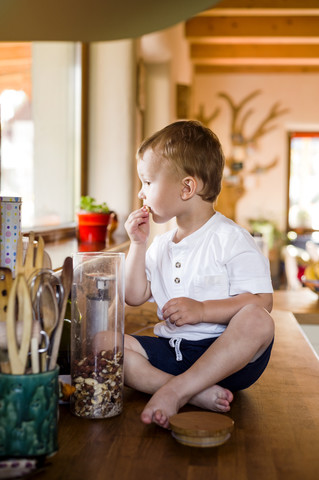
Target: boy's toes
(147, 416)
(161, 419)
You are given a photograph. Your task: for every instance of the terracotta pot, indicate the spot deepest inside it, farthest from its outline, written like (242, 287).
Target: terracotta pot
(92, 226)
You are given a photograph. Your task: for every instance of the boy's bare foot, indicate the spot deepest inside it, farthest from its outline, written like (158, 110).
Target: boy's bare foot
(165, 403)
(216, 398)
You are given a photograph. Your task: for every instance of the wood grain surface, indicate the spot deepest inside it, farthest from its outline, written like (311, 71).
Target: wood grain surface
(275, 437)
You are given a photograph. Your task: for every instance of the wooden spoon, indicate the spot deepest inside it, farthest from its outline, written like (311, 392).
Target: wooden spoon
(18, 354)
(66, 278)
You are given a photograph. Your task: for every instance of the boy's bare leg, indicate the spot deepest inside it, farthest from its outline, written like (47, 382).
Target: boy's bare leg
(247, 336)
(142, 376)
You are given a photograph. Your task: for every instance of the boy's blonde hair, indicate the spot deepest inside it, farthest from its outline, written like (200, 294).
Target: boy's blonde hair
(192, 148)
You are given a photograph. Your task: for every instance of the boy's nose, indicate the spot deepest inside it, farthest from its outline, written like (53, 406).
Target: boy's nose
(141, 194)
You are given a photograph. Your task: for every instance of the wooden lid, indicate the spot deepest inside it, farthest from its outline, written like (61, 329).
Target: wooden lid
(201, 429)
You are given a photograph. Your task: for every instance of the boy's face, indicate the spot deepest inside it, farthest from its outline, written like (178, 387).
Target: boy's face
(160, 186)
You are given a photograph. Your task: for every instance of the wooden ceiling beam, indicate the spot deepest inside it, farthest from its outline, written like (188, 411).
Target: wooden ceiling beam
(209, 51)
(248, 69)
(258, 26)
(15, 66)
(273, 4)
(18, 81)
(236, 37)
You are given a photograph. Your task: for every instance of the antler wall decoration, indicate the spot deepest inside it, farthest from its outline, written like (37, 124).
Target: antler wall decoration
(206, 120)
(241, 143)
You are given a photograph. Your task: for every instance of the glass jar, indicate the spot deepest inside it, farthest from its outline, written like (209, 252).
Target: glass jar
(97, 334)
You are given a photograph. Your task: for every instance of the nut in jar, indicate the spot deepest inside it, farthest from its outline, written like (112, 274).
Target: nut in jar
(98, 382)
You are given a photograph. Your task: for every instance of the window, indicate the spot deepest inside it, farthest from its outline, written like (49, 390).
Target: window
(303, 192)
(41, 129)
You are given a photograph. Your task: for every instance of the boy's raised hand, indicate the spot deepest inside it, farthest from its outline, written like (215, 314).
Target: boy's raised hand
(137, 225)
(183, 310)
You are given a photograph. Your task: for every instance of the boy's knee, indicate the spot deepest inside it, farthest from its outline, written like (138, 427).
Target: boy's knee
(129, 342)
(133, 345)
(257, 320)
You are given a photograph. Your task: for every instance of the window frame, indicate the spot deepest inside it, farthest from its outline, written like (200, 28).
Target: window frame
(291, 135)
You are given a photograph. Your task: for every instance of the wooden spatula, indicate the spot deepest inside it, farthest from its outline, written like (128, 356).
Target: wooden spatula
(33, 258)
(19, 309)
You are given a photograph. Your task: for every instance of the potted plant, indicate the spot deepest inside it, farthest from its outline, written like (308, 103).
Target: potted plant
(93, 220)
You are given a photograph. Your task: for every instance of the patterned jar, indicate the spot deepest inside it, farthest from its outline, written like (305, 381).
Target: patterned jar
(10, 230)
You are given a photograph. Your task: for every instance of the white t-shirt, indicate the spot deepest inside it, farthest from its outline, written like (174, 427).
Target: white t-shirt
(217, 261)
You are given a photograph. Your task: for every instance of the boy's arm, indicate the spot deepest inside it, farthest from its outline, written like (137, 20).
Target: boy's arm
(137, 287)
(225, 309)
(184, 310)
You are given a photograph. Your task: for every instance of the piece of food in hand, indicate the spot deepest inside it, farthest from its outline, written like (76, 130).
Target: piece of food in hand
(146, 208)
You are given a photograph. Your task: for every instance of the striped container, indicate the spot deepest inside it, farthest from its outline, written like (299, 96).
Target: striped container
(10, 229)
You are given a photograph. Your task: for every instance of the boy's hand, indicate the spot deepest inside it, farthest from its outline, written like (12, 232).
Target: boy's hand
(138, 226)
(183, 311)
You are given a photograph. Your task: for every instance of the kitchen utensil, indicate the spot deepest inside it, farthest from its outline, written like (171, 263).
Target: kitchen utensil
(47, 262)
(19, 308)
(33, 257)
(41, 350)
(46, 294)
(45, 300)
(36, 332)
(38, 338)
(35, 355)
(49, 308)
(45, 283)
(5, 286)
(66, 279)
(201, 429)
(49, 313)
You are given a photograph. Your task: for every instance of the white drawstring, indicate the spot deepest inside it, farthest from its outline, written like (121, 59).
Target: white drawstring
(175, 343)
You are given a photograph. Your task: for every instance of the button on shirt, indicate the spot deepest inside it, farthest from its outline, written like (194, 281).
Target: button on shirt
(217, 261)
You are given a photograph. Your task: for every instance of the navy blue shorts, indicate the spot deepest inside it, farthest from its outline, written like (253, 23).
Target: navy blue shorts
(165, 357)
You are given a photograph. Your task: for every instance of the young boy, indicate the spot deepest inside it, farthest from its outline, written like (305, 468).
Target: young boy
(210, 282)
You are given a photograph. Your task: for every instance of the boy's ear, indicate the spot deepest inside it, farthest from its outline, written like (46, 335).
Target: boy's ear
(189, 186)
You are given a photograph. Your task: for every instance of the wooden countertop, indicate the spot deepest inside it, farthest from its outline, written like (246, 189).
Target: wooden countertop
(61, 249)
(276, 432)
(302, 301)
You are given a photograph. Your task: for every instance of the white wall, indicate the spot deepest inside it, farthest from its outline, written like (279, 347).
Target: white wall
(266, 193)
(55, 135)
(167, 63)
(112, 124)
